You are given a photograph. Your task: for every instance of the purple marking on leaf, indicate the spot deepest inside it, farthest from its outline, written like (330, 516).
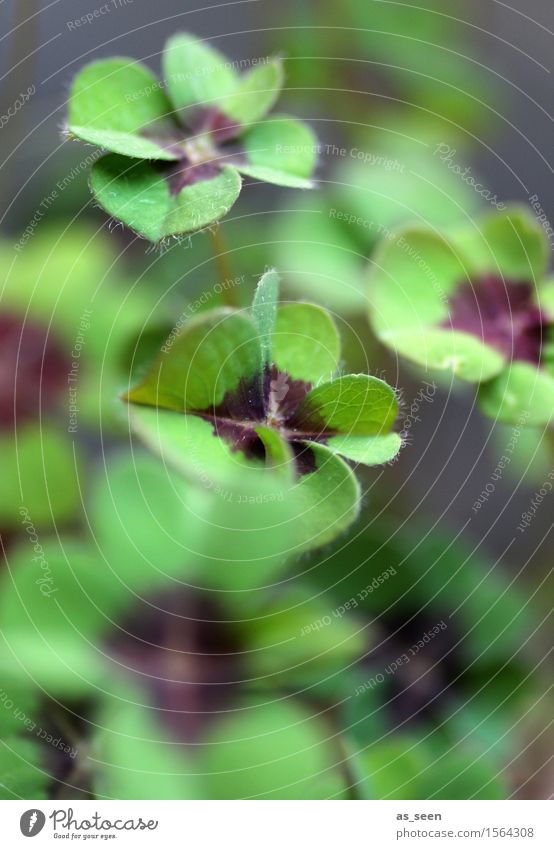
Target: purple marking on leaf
(185, 655)
(169, 139)
(271, 400)
(245, 403)
(501, 314)
(220, 126)
(240, 437)
(33, 370)
(183, 174)
(304, 458)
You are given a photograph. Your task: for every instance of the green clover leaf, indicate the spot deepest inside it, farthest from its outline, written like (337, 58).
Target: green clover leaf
(473, 302)
(234, 390)
(176, 148)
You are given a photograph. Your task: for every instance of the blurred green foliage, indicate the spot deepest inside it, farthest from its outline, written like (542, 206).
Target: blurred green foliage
(156, 616)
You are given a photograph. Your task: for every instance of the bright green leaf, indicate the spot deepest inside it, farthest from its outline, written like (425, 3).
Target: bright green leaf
(139, 509)
(352, 404)
(196, 75)
(54, 604)
(306, 342)
(188, 443)
(117, 104)
(256, 93)
(369, 450)
(212, 355)
(413, 273)
(280, 150)
(139, 194)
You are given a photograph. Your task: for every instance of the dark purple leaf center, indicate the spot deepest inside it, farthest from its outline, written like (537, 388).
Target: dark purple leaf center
(273, 401)
(501, 314)
(33, 370)
(185, 656)
(202, 148)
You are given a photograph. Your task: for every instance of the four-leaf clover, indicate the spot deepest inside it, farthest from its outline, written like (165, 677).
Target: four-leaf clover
(260, 389)
(475, 302)
(178, 146)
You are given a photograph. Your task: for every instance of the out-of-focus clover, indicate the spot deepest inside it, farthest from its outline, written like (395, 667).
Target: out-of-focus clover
(178, 146)
(386, 180)
(475, 302)
(236, 389)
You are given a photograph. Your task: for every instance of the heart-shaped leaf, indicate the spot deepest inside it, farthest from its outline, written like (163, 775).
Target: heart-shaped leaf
(188, 443)
(413, 273)
(140, 512)
(306, 343)
(520, 392)
(118, 104)
(256, 93)
(23, 775)
(282, 642)
(137, 760)
(213, 355)
(280, 150)
(352, 404)
(413, 276)
(197, 76)
(143, 197)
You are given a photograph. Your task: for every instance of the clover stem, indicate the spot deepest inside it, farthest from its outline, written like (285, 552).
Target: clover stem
(223, 267)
